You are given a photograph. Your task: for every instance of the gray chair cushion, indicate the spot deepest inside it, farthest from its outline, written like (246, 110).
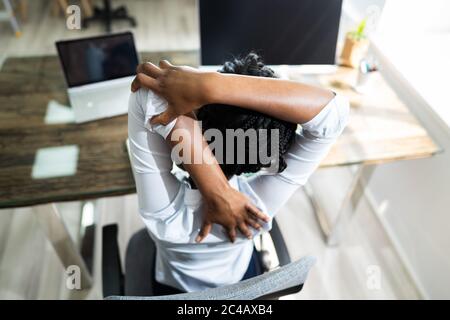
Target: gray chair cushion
(291, 275)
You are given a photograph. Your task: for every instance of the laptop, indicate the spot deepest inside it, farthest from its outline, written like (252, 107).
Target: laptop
(99, 72)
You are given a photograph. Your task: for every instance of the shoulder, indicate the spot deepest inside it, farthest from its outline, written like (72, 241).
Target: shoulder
(139, 98)
(137, 102)
(150, 102)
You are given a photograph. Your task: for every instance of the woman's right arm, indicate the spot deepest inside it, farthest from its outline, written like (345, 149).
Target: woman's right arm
(187, 89)
(323, 115)
(151, 147)
(224, 205)
(282, 99)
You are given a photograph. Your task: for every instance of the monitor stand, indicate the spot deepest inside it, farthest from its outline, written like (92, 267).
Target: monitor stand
(107, 15)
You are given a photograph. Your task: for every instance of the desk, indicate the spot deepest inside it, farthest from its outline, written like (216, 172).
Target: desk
(381, 130)
(26, 87)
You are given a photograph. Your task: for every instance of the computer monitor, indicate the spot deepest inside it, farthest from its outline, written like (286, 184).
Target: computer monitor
(283, 31)
(97, 59)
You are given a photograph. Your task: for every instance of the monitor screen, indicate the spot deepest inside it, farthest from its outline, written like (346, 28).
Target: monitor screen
(97, 59)
(282, 31)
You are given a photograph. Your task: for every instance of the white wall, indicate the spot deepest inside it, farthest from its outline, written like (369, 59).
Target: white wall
(414, 200)
(416, 15)
(413, 197)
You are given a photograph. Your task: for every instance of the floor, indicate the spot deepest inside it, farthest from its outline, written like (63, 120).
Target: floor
(162, 25)
(29, 269)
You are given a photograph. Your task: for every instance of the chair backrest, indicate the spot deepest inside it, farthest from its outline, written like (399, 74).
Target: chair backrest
(285, 280)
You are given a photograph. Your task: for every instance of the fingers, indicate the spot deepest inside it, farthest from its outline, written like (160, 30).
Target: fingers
(142, 80)
(149, 69)
(257, 213)
(232, 234)
(245, 230)
(164, 118)
(204, 231)
(164, 64)
(146, 75)
(253, 223)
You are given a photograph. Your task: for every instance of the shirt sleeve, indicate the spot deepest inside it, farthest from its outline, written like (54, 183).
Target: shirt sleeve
(150, 158)
(311, 145)
(154, 105)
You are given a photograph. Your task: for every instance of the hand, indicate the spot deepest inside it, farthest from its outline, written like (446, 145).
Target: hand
(184, 88)
(232, 210)
(223, 204)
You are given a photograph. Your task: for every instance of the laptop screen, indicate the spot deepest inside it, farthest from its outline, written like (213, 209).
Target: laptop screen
(97, 59)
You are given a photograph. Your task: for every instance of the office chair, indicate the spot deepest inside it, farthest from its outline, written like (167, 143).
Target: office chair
(108, 15)
(138, 281)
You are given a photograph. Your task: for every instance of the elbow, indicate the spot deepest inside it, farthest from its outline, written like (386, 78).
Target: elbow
(331, 121)
(338, 117)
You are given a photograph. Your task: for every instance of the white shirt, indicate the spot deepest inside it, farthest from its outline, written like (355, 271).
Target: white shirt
(171, 210)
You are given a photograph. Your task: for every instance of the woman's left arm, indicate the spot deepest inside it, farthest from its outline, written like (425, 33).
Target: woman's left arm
(282, 99)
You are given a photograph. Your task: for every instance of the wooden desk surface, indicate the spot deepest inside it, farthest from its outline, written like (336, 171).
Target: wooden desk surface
(381, 129)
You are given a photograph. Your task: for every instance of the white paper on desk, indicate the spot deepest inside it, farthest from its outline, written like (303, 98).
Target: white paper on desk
(55, 162)
(58, 113)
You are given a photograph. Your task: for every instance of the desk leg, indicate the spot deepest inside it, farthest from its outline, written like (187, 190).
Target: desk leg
(332, 232)
(58, 235)
(87, 8)
(11, 17)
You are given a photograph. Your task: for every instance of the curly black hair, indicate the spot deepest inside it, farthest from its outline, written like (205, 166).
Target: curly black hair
(223, 117)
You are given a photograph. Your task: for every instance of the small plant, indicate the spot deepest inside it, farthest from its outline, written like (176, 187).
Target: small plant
(359, 34)
(355, 46)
